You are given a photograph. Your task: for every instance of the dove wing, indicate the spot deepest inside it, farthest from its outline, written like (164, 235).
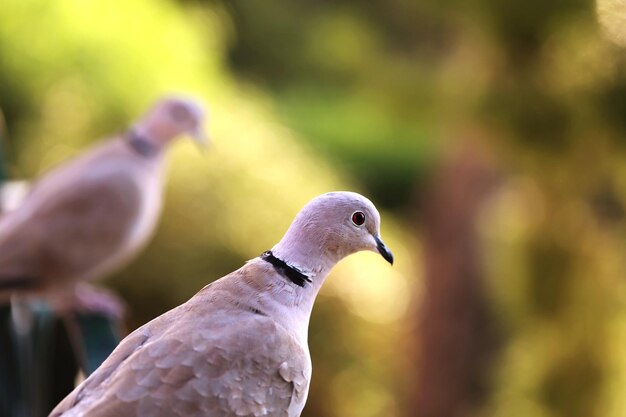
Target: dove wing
(225, 362)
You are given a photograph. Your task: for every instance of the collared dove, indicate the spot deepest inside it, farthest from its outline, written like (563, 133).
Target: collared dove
(239, 346)
(89, 216)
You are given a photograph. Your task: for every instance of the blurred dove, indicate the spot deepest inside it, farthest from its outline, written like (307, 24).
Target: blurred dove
(89, 216)
(239, 346)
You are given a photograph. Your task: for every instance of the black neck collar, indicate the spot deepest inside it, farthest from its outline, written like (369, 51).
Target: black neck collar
(140, 144)
(293, 274)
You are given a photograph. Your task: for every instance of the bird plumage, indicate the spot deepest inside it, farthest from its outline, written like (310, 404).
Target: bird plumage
(89, 216)
(239, 346)
(222, 353)
(63, 233)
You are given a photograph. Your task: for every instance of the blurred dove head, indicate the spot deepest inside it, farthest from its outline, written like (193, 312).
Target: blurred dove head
(331, 227)
(173, 116)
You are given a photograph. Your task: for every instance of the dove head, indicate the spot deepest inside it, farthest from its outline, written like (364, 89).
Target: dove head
(171, 117)
(329, 228)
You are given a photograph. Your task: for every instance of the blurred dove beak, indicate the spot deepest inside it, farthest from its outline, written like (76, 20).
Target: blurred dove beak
(200, 137)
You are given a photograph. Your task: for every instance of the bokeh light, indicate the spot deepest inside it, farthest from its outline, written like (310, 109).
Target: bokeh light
(490, 135)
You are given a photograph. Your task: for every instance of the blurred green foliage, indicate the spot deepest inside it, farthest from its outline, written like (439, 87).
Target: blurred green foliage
(311, 96)
(542, 84)
(88, 69)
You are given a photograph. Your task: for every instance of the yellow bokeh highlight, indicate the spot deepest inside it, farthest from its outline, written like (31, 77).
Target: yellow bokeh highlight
(612, 17)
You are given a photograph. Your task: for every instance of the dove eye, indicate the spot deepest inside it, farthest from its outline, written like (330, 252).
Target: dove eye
(358, 218)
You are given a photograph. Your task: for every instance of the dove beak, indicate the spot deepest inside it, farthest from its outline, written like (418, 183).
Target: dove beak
(383, 250)
(200, 137)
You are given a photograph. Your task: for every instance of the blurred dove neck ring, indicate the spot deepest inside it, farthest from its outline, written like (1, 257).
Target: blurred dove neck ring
(140, 144)
(292, 273)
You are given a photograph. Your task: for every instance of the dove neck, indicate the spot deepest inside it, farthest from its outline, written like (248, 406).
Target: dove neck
(292, 273)
(305, 257)
(141, 144)
(155, 134)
